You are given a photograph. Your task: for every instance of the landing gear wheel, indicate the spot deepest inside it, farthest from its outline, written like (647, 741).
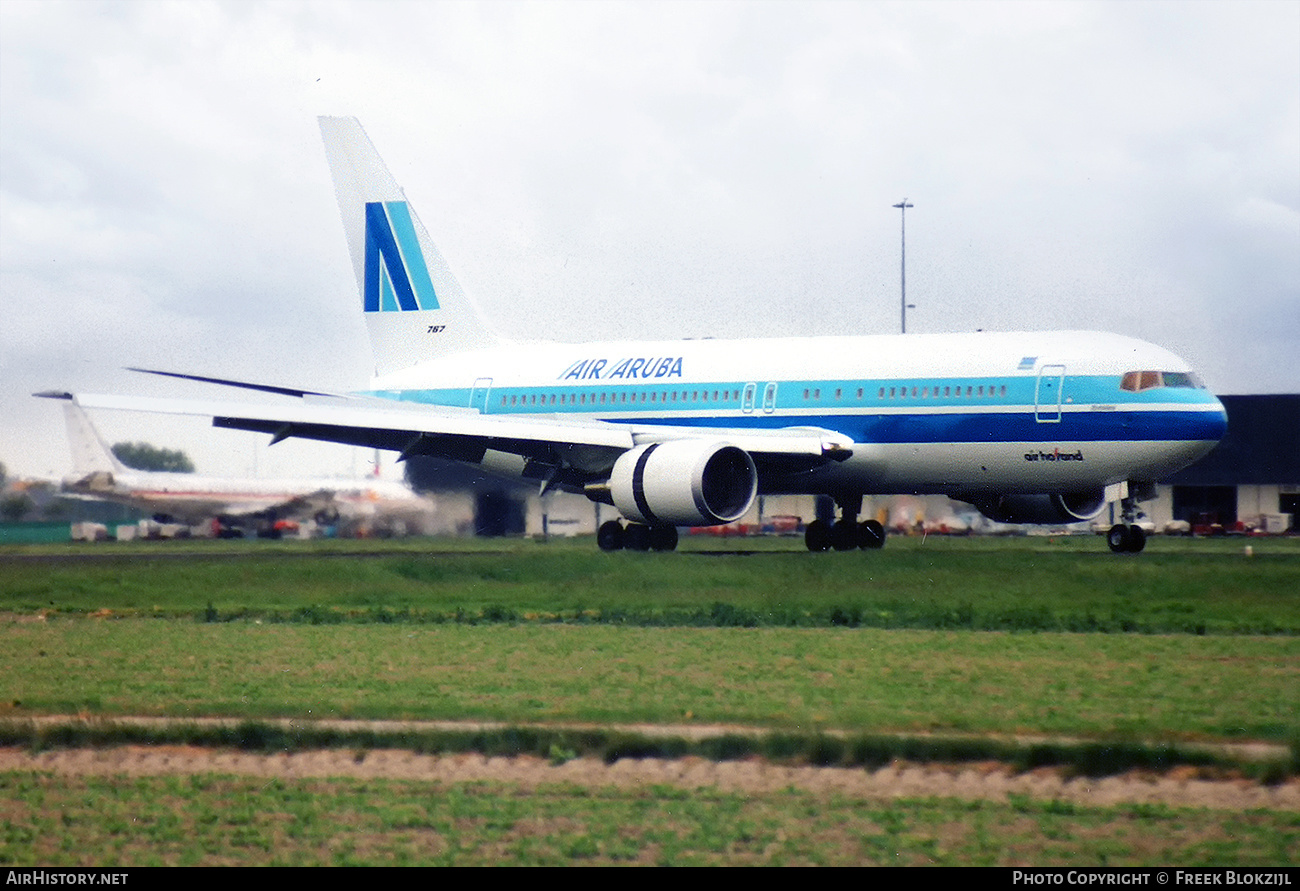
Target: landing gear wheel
(636, 537)
(844, 535)
(871, 535)
(1126, 539)
(1137, 539)
(663, 538)
(817, 536)
(610, 536)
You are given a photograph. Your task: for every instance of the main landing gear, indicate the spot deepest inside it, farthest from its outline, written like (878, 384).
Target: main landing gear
(846, 533)
(1127, 537)
(613, 536)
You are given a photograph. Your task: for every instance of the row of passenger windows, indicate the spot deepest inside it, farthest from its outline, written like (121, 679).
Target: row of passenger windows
(729, 396)
(948, 392)
(622, 398)
(1137, 381)
(1133, 381)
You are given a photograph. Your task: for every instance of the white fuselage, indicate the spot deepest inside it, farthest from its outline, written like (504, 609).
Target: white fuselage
(987, 412)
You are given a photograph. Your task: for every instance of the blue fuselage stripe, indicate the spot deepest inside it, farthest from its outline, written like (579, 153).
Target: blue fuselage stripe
(1010, 426)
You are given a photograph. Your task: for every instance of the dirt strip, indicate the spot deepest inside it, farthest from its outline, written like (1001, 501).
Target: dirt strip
(1183, 787)
(970, 782)
(1242, 751)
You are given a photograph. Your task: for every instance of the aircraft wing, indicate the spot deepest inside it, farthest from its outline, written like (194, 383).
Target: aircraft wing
(468, 435)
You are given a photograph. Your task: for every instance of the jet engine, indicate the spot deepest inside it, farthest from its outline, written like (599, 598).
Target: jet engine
(684, 483)
(1068, 508)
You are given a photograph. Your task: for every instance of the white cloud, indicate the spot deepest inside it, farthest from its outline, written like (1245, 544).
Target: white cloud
(670, 169)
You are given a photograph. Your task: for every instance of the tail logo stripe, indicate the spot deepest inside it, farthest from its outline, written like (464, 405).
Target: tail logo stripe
(396, 277)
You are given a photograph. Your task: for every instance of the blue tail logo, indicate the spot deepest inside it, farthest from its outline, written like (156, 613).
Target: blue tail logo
(397, 278)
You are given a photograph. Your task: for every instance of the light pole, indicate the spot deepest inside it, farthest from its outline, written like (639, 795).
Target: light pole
(902, 207)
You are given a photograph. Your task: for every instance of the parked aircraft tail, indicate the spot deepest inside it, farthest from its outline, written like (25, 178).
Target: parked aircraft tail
(89, 453)
(414, 307)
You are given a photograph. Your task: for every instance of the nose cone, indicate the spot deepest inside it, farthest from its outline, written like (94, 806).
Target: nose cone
(1202, 430)
(1218, 421)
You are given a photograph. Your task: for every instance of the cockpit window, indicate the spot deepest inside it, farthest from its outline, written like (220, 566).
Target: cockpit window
(1137, 381)
(1182, 379)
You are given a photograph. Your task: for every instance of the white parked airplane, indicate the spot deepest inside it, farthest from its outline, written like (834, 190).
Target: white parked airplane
(1034, 427)
(234, 503)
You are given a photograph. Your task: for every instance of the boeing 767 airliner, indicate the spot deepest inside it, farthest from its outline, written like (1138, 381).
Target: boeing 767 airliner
(1031, 427)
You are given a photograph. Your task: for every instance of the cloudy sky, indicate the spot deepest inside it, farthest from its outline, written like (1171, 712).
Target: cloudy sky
(610, 170)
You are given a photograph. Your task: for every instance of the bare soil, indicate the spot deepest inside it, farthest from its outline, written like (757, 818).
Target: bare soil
(981, 781)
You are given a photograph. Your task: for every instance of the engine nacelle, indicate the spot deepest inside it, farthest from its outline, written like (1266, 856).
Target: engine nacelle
(1071, 507)
(684, 483)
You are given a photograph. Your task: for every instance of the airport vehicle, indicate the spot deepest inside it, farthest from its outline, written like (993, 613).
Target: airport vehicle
(1030, 427)
(237, 506)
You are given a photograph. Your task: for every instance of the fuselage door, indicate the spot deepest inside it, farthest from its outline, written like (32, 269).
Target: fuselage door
(747, 400)
(478, 397)
(769, 399)
(1047, 395)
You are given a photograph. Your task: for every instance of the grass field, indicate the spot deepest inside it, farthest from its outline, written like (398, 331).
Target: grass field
(1018, 584)
(1191, 642)
(1162, 687)
(214, 820)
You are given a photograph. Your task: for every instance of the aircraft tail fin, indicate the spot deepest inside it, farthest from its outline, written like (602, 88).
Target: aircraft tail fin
(415, 309)
(89, 453)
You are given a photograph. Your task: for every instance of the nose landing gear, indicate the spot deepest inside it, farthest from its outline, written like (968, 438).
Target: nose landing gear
(1126, 537)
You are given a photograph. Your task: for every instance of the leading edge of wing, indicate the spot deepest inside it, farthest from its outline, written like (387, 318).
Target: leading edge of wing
(311, 420)
(243, 385)
(399, 425)
(815, 442)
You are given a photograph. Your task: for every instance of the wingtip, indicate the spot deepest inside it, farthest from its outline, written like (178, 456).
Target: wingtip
(54, 394)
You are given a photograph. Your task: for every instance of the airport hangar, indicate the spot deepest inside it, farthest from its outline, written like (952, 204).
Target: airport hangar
(1251, 479)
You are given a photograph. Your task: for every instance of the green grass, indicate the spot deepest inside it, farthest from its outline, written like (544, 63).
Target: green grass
(1176, 586)
(849, 659)
(213, 820)
(527, 632)
(1129, 686)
